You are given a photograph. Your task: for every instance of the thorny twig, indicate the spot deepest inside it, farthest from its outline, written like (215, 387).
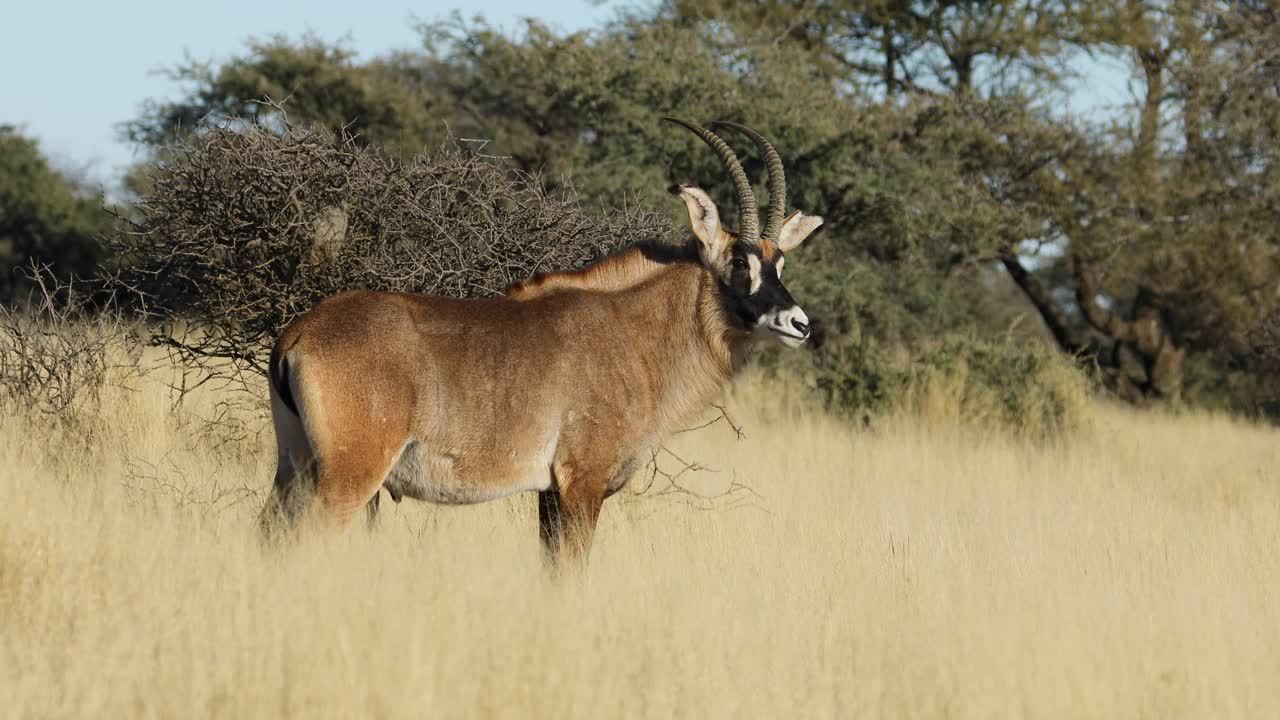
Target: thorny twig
(146, 481)
(724, 415)
(663, 483)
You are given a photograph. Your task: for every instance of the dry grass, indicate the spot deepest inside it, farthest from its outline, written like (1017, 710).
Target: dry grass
(1126, 570)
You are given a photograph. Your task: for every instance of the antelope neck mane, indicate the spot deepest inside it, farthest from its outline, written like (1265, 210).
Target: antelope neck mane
(621, 271)
(636, 266)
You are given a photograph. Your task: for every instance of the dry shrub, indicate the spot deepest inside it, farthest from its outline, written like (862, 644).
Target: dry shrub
(958, 379)
(60, 349)
(969, 384)
(246, 227)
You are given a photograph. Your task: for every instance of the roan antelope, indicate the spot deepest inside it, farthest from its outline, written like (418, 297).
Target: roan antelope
(562, 386)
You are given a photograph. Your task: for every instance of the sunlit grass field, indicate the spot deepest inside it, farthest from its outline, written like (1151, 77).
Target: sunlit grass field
(923, 567)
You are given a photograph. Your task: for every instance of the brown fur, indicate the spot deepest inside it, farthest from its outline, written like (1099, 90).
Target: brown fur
(619, 272)
(768, 250)
(561, 387)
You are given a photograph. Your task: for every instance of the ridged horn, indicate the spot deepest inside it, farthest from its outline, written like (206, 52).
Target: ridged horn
(777, 179)
(748, 218)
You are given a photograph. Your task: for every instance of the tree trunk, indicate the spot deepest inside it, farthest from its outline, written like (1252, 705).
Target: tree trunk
(1054, 318)
(962, 65)
(1152, 61)
(1139, 360)
(890, 61)
(1144, 363)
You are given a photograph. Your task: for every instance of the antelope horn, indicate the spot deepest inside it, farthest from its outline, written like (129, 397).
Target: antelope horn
(748, 221)
(777, 179)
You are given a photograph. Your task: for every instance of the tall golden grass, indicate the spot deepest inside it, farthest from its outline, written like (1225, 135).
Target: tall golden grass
(929, 567)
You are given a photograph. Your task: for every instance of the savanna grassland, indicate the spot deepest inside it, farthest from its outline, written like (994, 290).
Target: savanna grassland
(923, 567)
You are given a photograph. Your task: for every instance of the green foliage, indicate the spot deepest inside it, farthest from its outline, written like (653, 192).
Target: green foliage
(45, 220)
(859, 380)
(915, 46)
(958, 379)
(381, 102)
(1006, 384)
(589, 104)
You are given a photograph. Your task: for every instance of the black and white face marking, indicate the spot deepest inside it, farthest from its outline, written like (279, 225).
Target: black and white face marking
(759, 300)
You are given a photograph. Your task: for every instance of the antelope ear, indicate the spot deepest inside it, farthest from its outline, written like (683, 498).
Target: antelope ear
(797, 227)
(705, 219)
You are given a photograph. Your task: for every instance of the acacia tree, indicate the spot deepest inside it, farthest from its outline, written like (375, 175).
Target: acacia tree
(1059, 193)
(1172, 243)
(1155, 225)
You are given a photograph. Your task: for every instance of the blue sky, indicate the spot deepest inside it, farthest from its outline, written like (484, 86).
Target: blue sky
(71, 71)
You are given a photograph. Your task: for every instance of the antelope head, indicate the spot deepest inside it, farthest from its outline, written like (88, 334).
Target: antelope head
(749, 264)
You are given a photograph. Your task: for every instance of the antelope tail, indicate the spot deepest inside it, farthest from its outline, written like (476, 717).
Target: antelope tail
(278, 376)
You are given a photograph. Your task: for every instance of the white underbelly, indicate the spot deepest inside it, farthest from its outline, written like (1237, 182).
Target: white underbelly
(422, 474)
